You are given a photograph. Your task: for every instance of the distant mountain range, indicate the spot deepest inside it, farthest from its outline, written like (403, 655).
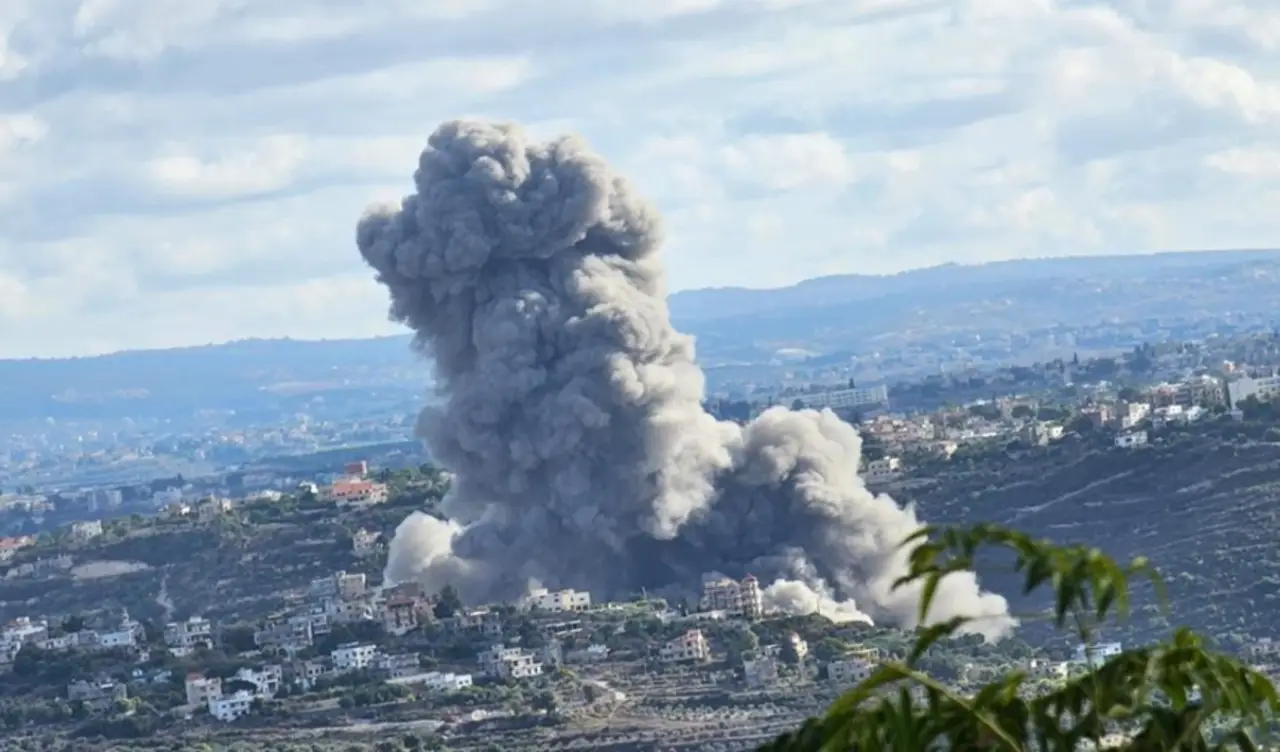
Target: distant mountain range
(828, 316)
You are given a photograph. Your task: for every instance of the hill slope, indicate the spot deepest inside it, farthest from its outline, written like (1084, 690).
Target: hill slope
(1203, 505)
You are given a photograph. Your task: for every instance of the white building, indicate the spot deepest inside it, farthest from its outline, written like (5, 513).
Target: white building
(558, 600)
(1131, 439)
(509, 663)
(227, 708)
(1262, 389)
(856, 397)
(202, 689)
(353, 657)
(266, 680)
(364, 543)
(883, 470)
(690, 646)
(1099, 653)
(590, 654)
(117, 638)
(436, 681)
(87, 530)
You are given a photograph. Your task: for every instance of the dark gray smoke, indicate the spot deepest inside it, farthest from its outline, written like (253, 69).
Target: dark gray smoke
(572, 410)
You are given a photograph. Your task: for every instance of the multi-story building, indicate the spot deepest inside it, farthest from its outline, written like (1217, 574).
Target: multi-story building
(487, 622)
(356, 491)
(1098, 652)
(266, 680)
(341, 585)
(398, 664)
(353, 656)
(86, 530)
(509, 663)
(1263, 389)
(690, 646)
(200, 689)
(400, 616)
(883, 470)
(558, 600)
(742, 599)
(284, 632)
(846, 398)
(849, 670)
(364, 543)
(183, 637)
(227, 708)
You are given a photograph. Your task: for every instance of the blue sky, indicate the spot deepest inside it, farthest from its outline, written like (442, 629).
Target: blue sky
(187, 172)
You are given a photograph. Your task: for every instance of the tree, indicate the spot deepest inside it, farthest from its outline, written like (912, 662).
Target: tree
(544, 701)
(1162, 697)
(449, 603)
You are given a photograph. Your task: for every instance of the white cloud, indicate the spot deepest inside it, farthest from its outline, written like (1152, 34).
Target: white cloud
(177, 172)
(789, 161)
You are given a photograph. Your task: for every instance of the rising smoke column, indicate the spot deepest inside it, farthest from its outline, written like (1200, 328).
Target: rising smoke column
(572, 410)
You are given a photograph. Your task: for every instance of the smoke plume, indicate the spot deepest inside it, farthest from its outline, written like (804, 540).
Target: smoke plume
(571, 410)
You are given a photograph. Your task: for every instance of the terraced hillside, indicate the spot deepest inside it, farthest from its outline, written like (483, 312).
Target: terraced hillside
(242, 565)
(1202, 503)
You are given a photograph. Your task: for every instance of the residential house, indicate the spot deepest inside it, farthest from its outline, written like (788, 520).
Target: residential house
(11, 546)
(285, 633)
(1131, 439)
(741, 599)
(690, 646)
(509, 663)
(435, 681)
(266, 680)
(356, 492)
(212, 508)
(227, 708)
(398, 664)
(364, 543)
(85, 530)
(883, 470)
(483, 620)
(353, 656)
(589, 654)
(308, 673)
(400, 615)
(558, 601)
(200, 689)
(184, 637)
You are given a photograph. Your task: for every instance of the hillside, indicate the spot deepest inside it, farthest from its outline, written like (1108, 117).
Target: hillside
(1018, 306)
(238, 566)
(1201, 504)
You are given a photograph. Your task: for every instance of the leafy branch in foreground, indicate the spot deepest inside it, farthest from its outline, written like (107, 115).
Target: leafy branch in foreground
(1175, 695)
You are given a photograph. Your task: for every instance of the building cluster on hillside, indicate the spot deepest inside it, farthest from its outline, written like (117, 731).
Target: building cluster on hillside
(344, 598)
(106, 630)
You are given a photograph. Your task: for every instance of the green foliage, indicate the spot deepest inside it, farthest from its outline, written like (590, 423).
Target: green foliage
(1174, 695)
(448, 604)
